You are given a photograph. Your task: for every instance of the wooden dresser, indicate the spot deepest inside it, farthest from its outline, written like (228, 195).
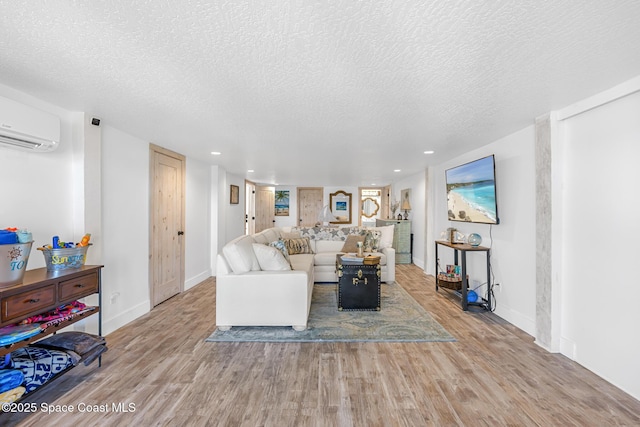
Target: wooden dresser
(42, 291)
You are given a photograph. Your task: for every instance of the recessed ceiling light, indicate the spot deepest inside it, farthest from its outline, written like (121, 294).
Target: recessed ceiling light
(216, 153)
(429, 152)
(396, 170)
(250, 171)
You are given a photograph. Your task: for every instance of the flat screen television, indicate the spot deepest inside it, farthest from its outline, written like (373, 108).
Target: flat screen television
(471, 192)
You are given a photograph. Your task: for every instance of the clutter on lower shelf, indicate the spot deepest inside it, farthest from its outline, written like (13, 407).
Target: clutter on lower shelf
(33, 366)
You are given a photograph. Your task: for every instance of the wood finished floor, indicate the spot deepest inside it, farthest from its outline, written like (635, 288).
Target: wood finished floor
(494, 375)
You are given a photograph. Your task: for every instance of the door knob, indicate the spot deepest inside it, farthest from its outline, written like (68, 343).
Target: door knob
(180, 233)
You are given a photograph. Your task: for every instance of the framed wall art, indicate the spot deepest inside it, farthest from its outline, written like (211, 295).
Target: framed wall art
(234, 194)
(282, 202)
(340, 203)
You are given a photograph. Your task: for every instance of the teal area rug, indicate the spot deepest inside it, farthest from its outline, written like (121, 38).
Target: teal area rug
(401, 319)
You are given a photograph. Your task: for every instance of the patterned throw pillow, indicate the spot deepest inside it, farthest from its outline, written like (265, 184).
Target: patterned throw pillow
(282, 247)
(298, 246)
(372, 240)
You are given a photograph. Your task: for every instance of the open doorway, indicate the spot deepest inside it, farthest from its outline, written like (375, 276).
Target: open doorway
(371, 206)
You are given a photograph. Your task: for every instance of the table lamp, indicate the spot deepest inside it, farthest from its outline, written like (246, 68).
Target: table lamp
(406, 207)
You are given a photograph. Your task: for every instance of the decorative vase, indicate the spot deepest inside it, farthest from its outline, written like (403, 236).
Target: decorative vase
(474, 239)
(451, 234)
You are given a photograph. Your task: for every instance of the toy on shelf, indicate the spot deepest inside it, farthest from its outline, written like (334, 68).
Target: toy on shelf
(61, 255)
(85, 240)
(56, 243)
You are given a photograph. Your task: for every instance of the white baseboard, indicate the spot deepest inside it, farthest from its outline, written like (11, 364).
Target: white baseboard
(125, 317)
(199, 278)
(568, 348)
(517, 319)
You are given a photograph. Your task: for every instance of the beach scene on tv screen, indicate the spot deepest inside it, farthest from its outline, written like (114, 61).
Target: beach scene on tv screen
(471, 192)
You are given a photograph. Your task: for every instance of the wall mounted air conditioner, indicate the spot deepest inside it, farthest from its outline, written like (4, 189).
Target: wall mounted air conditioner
(27, 128)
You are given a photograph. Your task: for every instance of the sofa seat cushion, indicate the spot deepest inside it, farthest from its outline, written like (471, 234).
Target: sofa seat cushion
(302, 262)
(325, 258)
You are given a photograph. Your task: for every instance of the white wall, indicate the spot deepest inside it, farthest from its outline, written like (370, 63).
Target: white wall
(35, 187)
(198, 223)
(48, 193)
(235, 214)
(125, 188)
(125, 192)
(513, 243)
(45, 193)
(227, 220)
(600, 313)
(416, 183)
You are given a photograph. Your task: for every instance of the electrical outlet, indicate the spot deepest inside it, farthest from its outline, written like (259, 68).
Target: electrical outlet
(114, 297)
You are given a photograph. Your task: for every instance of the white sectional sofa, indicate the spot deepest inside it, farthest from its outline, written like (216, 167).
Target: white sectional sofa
(254, 287)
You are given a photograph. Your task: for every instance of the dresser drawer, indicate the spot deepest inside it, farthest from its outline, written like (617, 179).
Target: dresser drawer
(34, 301)
(78, 287)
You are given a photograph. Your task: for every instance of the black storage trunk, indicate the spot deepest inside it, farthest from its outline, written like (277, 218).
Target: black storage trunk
(358, 287)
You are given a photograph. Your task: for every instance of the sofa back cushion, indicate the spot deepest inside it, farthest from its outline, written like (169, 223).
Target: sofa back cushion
(329, 246)
(267, 236)
(327, 233)
(240, 256)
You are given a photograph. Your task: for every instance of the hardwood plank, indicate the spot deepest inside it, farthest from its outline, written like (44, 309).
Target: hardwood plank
(494, 375)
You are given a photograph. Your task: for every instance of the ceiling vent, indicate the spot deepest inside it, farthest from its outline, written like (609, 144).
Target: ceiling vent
(27, 128)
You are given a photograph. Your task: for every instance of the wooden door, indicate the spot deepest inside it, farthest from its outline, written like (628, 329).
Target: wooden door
(309, 205)
(265, 208)
(249, 207)
(166, 266)
(385, 209)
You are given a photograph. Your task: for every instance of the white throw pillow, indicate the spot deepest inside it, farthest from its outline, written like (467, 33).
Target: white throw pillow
(386, 237)
(270, 258)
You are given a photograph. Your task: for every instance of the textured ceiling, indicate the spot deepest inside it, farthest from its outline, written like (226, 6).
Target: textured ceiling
(333, 92)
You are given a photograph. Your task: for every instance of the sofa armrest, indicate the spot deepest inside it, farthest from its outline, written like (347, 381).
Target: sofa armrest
(391, 263)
